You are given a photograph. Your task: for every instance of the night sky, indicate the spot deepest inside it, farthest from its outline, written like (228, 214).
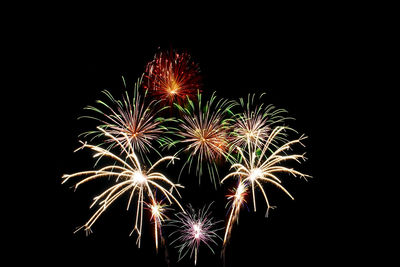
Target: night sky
(294, 62)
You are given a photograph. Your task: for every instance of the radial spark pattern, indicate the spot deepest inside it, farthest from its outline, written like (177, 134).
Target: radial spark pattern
(172, 76)
(193, 229)
(203, 131)
(132, 122)
(257, 168)
(130, 178)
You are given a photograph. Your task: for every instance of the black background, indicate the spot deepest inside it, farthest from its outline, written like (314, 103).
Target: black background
(297, 59)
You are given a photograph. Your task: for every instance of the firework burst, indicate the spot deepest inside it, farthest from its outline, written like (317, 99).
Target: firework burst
(203, 131)
(194, 228)
(132, 122)
(258, 168)
(130, 177)
(172, 76)
(255, 123)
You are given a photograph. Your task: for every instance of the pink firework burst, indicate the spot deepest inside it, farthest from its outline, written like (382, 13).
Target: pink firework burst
(195, 228)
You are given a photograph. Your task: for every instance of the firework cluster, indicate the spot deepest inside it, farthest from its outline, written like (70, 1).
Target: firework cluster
(166, 112)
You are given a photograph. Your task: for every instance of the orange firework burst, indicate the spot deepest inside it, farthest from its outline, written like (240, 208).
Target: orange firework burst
(172, 76)
(203, 132)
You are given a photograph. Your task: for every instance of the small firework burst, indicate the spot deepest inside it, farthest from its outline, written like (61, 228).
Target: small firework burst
(157, 209)
(136, 118)
(203, 131)
(255, 123)
(130, 177)
(236, 200)
(258, 168)
(172, 76)
(193, 229)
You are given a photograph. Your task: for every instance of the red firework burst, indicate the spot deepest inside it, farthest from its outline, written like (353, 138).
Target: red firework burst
(172, 76)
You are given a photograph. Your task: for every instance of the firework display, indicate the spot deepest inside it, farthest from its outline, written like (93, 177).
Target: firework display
(207, 133)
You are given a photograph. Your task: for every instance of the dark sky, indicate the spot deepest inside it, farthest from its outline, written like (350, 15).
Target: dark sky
(294, 61)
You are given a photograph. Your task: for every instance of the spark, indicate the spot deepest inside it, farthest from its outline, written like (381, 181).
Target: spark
(130, 177)
(136, 118)
(158, 216)
(258, 168)
(236, 200)
(203, 133)
(193, 229)
(172, 76)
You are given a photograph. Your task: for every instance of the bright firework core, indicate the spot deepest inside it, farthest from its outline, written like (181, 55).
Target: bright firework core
(138, 177)
(174, 87)
(196, 230)
(251, 134)
(240, 190)
(255, 173)
(155, 210)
